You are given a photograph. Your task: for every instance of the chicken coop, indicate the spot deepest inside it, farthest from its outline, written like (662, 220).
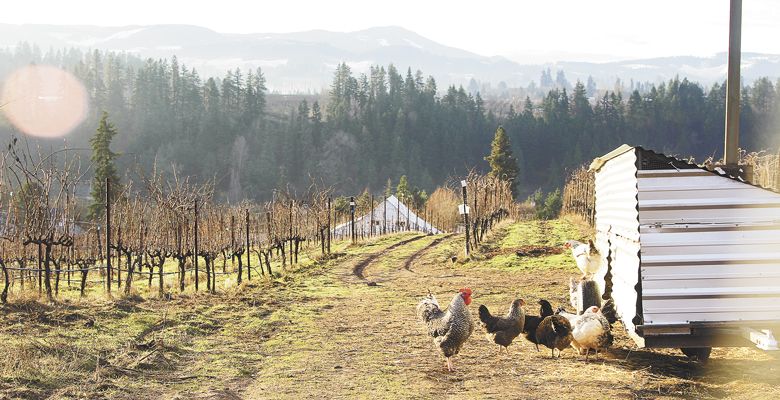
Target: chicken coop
(690, 256)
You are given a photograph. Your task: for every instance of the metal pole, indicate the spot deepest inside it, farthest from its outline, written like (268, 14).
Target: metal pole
(384, 216)
(397, 214)
(329, 229)
(352, 216)
(731, 153)
(466, 218)
(371, 231)
(408, 224)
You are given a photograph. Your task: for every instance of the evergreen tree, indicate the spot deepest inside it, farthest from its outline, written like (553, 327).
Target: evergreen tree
(103, 160)
(503, 164)
(402, 191)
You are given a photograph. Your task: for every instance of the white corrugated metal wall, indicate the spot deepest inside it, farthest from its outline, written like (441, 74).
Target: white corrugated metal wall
(710, 248)
(617, 232)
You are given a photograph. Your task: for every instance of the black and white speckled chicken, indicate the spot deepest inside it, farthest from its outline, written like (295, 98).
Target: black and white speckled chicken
(532, 321)
(503, 330)
(555, 333)
(449, 329)
(590, 331)
(583, 293)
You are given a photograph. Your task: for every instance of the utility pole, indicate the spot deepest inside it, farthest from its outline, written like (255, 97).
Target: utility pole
(731, 153)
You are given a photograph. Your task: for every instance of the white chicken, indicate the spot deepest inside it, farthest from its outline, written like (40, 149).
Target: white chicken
(591, 330)
(587, 257)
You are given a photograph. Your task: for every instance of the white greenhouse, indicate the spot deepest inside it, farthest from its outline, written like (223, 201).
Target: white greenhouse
(390, 215)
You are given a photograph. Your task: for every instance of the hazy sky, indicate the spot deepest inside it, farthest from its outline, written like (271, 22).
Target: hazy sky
(544, 30)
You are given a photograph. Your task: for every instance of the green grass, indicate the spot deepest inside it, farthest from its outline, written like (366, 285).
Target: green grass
(499, 246)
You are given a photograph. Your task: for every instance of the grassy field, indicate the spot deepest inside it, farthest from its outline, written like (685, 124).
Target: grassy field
(345, 327)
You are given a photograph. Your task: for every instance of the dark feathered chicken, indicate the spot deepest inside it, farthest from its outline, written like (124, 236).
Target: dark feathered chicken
(532, 321)
(583, 294)
(609, 311)
(449, 329)
(503, 330)
(555, 333)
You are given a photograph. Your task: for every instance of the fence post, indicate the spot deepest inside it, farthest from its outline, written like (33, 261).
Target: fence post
(463, 184)
(329, 225)
(196, 245)
(246, 249)
(108, 235)
(371, 226)
(352, 217)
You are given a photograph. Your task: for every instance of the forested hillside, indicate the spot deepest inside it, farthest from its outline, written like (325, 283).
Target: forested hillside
(381, 125)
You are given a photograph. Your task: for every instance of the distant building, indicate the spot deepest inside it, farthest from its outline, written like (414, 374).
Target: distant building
(391, 215)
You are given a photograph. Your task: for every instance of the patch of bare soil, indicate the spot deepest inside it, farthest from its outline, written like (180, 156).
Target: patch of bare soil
(524, 251)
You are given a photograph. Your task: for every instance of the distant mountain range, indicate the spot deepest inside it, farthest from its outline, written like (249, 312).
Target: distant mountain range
(305, 61)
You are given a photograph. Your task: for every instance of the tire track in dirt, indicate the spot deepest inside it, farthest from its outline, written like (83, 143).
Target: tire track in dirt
(419, 253)
(361, 266)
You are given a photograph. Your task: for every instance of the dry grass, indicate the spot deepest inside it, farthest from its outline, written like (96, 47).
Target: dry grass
(322, 332)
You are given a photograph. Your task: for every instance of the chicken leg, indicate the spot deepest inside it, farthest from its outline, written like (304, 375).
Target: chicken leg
(449, 364)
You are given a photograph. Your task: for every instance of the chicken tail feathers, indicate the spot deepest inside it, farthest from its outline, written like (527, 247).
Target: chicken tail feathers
(609, 311)
(428, 309)
(486, 318)
(561, 326)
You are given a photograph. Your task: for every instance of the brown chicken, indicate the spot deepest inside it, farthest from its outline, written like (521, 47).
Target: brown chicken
(503, 330)
(449, 329)
(555, 332)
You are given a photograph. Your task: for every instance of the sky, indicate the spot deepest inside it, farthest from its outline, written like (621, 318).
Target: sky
(526, 31)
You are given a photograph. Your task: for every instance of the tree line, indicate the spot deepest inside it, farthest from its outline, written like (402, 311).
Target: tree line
(381, 124)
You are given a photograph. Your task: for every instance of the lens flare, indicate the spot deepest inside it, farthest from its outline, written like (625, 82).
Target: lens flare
(43, 101)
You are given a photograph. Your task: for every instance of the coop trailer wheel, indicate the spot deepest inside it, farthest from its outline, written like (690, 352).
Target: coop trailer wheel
(697, 353)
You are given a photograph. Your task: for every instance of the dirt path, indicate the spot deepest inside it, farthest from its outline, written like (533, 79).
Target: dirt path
(421, 252)
(366, 342)
(361, 266)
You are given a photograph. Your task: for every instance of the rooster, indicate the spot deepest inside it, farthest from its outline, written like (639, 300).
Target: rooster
(587, 256)
(555, 333)
(449, 329)
(590, 331)
(503, 330)
(532, 321)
